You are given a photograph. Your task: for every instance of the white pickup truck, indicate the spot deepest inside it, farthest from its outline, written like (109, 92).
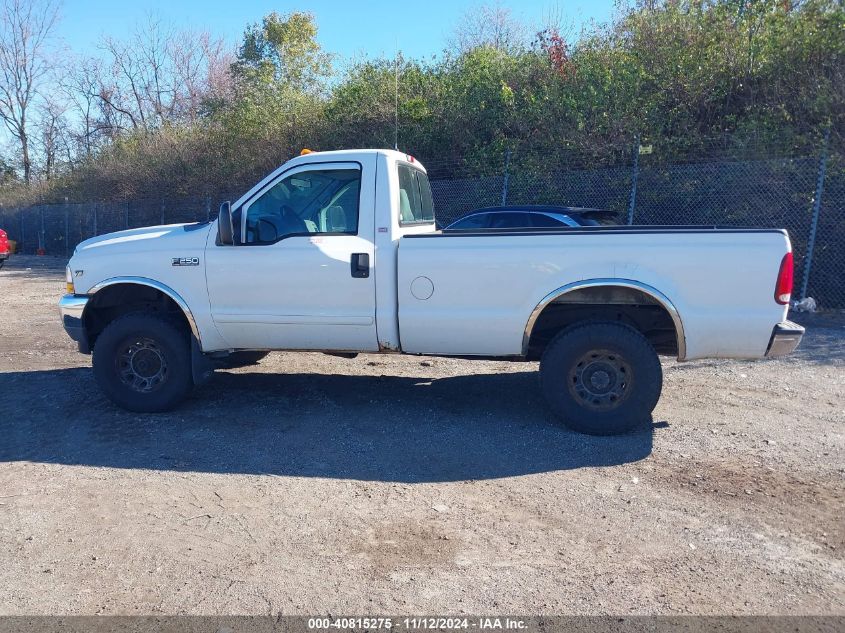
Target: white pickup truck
(338, 252)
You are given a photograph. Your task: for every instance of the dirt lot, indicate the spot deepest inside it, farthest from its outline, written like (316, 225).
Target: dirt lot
(313, 484)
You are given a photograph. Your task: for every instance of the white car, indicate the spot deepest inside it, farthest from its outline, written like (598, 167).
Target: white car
(338, 252)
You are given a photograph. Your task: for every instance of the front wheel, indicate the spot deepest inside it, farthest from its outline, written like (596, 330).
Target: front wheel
(601, 378)
(142, 362)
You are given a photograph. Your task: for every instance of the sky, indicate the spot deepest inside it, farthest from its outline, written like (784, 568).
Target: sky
(349, 29)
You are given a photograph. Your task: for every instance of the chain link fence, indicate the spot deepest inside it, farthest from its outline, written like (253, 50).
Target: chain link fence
(803, 194)
(56, 229)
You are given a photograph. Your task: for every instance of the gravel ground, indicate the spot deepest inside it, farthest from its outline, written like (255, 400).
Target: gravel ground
(405, 485)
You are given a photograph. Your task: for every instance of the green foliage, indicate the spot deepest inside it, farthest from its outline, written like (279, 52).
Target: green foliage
(695, 70)
(283, 51)
(8, 175)
(682, 76)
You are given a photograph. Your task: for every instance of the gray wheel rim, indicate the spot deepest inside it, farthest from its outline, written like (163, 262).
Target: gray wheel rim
(141, 365)
(600, 380)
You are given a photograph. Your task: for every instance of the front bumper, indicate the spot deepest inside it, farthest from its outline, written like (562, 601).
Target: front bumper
(785, 338)
(71, 308)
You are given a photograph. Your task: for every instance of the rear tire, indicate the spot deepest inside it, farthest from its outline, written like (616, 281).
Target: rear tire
(601, 378)
(142, 362)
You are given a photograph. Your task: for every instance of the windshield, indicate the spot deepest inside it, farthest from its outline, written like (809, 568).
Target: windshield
(309, 201)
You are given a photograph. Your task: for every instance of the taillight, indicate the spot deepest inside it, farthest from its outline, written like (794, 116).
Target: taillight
(783, 287)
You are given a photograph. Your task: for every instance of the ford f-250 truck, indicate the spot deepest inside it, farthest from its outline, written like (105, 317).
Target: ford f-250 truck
(338, 252)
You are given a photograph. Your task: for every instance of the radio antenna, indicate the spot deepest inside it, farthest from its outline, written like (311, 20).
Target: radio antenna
(396, 98)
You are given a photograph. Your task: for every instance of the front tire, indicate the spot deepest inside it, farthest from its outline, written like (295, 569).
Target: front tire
(142, 362)
(601, 378)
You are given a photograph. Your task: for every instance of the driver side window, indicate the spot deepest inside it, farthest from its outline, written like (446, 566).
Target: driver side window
(320, 201)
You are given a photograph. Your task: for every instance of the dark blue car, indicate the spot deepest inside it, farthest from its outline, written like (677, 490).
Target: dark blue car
(531, 217)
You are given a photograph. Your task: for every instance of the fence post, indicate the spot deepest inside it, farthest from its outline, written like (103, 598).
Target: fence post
(817, 207)
(506, 178)
(23, 242)
(126, 214)
(632, 202)
(67, 228)
(162, 211)
(94, 204)
(41, 233)
(207, 208)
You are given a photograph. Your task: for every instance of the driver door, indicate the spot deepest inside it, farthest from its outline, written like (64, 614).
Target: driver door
(300, 273)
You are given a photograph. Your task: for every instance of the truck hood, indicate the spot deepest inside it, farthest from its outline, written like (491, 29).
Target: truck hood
(172, 255)
(146, 238)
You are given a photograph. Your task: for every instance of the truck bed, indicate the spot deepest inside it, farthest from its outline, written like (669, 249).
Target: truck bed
(485, 285)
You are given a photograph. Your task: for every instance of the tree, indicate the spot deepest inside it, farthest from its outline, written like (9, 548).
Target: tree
(25, 28)
(8, 175)
(169, 108)
(489, 26)
(158, 76)
(284, 50)
(52, 136)
(279, 93)
(80, 85)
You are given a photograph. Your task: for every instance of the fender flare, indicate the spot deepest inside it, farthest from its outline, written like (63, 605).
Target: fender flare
(651, 291)
(152, 283)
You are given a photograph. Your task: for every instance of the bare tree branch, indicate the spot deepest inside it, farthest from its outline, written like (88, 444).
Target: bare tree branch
(160, 76)
(490, 25)
(25, 27)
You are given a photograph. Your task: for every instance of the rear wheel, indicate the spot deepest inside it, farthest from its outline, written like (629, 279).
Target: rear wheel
(142, 362)
(601, 378)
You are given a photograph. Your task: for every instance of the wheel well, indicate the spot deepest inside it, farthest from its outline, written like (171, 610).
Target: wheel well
(114, 301)
(631, 306)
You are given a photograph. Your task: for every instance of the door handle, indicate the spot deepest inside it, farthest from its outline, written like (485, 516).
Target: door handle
(360, 265)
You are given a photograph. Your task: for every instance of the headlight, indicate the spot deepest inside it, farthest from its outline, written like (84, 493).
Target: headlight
(69, 280)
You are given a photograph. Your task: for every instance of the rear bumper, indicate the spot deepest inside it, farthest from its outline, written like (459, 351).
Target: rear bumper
(786, 336)
(71, 308)
(4, 254)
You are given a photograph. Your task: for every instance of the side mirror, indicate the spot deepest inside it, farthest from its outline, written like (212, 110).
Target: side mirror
(225, 229)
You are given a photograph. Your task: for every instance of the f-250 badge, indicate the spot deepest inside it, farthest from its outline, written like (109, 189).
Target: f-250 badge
(186, 261)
